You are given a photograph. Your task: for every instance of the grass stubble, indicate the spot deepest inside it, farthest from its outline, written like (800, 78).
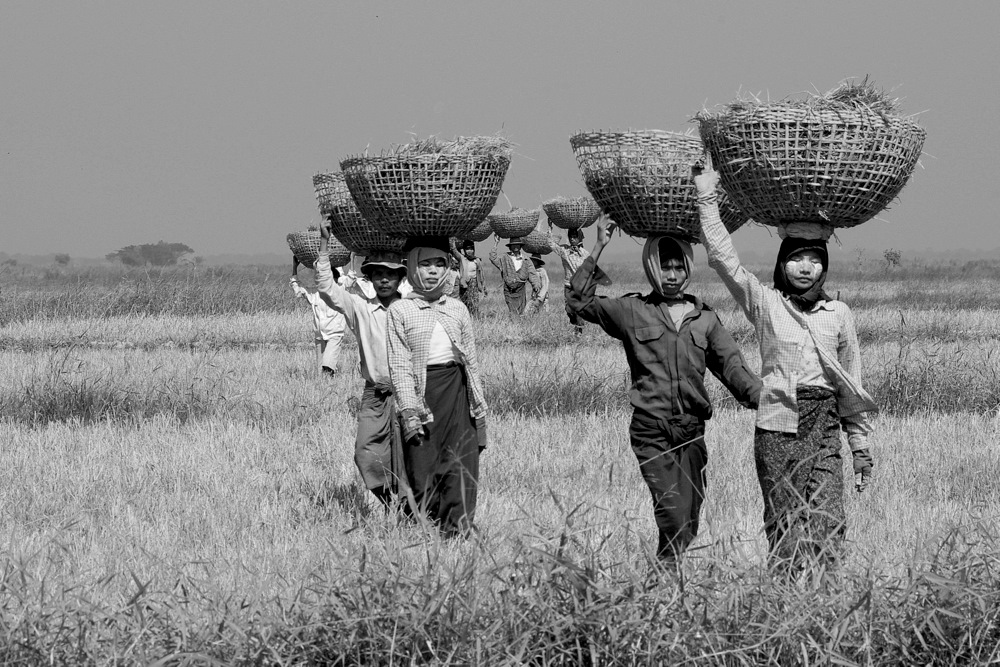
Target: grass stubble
(179, 488)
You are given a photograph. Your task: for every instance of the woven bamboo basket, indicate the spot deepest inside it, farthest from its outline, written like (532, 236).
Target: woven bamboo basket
(575, 213)
(481, 232)
(429, 189)
(305, 247)
(642, 180)
(346, 221)
(838, 159)
(515, 222)
(537, 243)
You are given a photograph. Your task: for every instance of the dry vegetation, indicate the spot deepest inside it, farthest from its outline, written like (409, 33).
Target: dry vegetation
(179, 486)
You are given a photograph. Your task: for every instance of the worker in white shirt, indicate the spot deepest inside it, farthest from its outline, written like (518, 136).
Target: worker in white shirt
(328, 324)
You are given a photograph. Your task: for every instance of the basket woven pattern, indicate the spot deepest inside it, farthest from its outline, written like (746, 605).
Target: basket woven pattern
(346, 221)
(515, 222)
(481, 232)
(642, 180)
(788, 162)
(436, 194)
(305, 247)
(537, 243)
(573, 213)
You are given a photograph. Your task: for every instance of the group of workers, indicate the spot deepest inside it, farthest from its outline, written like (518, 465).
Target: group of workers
(422, 423)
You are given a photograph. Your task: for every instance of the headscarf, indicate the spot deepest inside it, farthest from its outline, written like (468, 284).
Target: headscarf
(665, 246)
(421, 249)
(804, 299)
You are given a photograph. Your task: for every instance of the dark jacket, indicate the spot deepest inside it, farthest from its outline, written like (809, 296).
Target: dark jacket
(668, 366)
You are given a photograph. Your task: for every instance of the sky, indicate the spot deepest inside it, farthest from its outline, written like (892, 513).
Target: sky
(203, 123)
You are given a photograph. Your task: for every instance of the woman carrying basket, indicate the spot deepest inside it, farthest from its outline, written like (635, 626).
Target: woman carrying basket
(435, 377)
(810, 362)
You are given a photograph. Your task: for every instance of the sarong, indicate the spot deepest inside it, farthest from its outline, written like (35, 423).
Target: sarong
(378, 445)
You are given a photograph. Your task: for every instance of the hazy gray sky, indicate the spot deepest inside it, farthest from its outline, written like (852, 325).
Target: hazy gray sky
(203, 123)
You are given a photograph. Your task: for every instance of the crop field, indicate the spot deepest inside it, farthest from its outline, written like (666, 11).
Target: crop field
(178, 485)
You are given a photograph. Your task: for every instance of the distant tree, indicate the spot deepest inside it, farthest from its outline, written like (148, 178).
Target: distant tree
(155, 254)
(10, 262)
(61, 258)
(892, 257)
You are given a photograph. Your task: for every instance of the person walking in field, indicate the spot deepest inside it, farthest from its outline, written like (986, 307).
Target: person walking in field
(540, 298)
(670, 338)
(572, 255)
(434, 372)
(810, 361)
(328, 324)
(378, 444)
(472, 286)
(516, 271)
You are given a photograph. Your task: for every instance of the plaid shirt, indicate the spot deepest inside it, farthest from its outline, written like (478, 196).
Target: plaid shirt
(513, 278)
(572, 257)
(411, 323)
(784, 332)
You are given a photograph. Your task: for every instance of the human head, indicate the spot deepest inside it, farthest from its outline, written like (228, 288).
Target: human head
(537, 260)
(667, 261)
(385, 271)
(575, 236)
(514, 245)
(427, 265)
(800, 270)
(469, 249)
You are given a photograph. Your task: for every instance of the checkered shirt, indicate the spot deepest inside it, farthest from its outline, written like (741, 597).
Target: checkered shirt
(572, 257)
(784, 333)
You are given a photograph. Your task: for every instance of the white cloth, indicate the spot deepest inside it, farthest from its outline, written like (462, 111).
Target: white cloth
(441, 350)
(327, 322)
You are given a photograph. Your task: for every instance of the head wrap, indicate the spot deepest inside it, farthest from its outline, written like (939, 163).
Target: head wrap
(807, 298)
(665, 246)
(421, 248)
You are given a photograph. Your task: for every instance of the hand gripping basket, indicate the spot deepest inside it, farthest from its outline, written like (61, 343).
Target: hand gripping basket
(515, 222)
(428, 188)
(642, 180)
(346, 221)
(481, 232)
(305, 247)
(537, 243)
(574, 213)
(839, 159)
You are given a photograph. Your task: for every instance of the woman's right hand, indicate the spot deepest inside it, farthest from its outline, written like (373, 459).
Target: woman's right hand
(605, 226)
(706, 178)
(324, 230)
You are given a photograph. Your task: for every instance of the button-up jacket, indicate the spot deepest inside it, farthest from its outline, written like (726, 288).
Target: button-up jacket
(514, 278)
(667, 364)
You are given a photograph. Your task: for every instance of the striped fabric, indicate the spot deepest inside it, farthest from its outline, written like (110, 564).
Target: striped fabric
(410, 326)
(784, 333)
(572, 257)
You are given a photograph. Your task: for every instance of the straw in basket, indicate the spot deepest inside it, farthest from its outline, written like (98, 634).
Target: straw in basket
(515, 222)
(428, 188)
(481, 232)
(536, 242)
(346, 221)
(837, 159)
(574, 213)
(642, 180)
(305, 247)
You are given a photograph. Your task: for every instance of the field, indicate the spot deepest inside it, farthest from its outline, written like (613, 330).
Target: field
(179, 486)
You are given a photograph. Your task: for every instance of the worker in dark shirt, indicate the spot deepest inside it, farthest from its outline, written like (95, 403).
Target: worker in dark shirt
(670, 339)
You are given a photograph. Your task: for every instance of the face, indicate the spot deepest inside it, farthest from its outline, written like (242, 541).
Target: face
(803, 269)
(673, 275)
(470, 253)
(574, 236)
(431, 271)
(515, 248)
(386, 281)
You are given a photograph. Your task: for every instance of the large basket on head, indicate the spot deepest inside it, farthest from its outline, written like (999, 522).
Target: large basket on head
(513, 223)
(571, 213)
(346, 221)
(838, 159)
(537, 243)
(427, 188)
(642, 180)
(481, 232)
(305, 247)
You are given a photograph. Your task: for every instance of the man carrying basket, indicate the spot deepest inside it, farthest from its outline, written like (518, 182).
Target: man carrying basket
(516, 271)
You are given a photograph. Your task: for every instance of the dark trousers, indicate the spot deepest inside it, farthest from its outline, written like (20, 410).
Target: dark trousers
(516, 298)
(802, 480)
(574, 319)
(672, 457)
(377, 445)
(443, 469)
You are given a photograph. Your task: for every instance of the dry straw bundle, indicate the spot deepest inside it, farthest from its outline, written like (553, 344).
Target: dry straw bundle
(537, 243)
(642, 180)
(346, 221)
(515, 222)
(428, 187)
(837, 159)
(571, 213)
(481, 232)
(305, 247)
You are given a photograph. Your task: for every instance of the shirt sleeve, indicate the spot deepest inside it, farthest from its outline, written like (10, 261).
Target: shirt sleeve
(533, 279)
(478, 403)
(334, 295)
(722, 257)
(849, 356)
(400, 362)
(543, 278)
(725, 359)
(298, 289)
(495, 258)
(582, 300)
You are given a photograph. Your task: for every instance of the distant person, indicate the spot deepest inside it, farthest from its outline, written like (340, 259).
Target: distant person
(473, 277)
(670, 339)
(810, 362)
(572, 256)
(328, 324)
(378, 444)
(540, 298)
(516, 271)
